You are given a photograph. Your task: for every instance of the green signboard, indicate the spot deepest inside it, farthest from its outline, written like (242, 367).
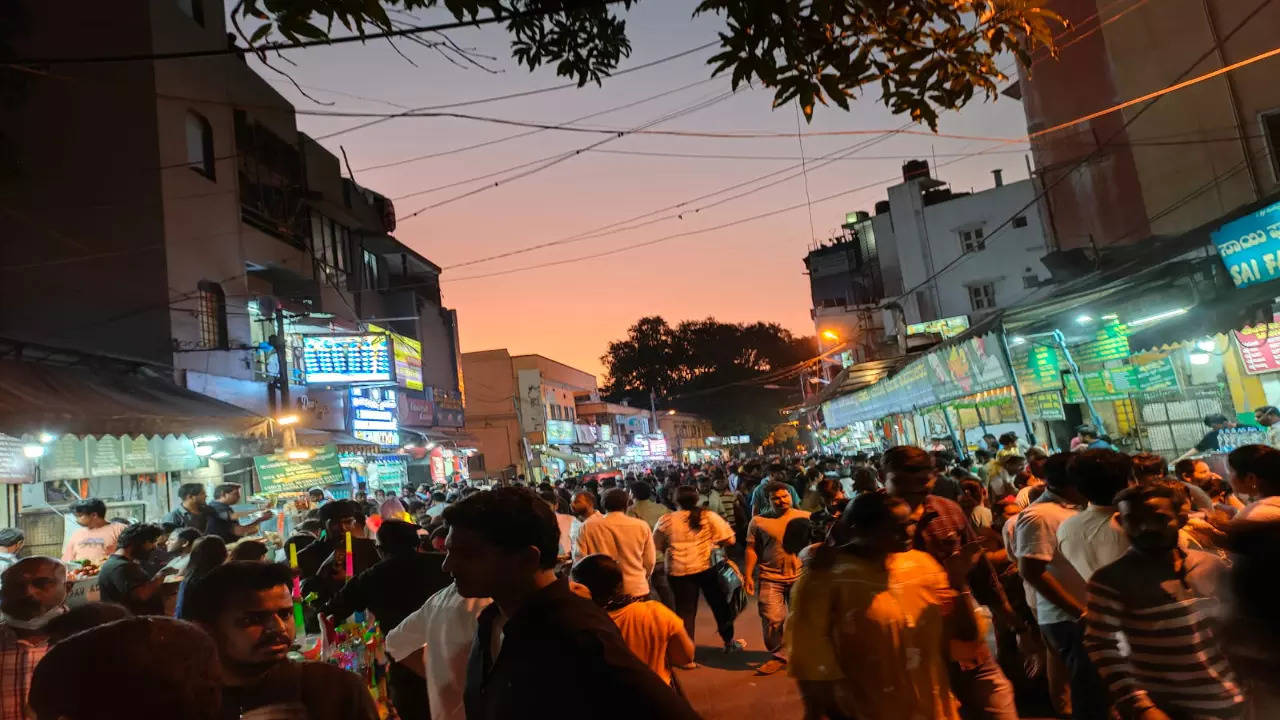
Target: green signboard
(1045, 406)
(1110, 343)
(1039, 369)
(278, 473)
(1111, 384)
(1158, 375)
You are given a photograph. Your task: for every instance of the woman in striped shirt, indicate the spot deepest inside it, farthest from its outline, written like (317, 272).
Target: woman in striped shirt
(1161, 600)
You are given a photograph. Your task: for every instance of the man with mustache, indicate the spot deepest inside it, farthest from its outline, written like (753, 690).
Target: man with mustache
(32, 590)
(247, 608)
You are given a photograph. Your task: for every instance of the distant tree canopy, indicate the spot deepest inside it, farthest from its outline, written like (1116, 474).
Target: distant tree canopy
(925, 55)
(684, 365)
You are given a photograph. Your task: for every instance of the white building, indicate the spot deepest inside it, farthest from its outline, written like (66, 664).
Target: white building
(925, 227)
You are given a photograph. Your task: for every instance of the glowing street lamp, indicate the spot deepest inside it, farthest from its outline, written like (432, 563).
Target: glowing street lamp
(830, 335)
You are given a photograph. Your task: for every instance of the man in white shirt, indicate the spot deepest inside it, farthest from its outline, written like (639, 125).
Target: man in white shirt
(565, 523)
(584, 510)
(1093, 538)
(627, 540)
(435, 641)
(1059, 591)
(1255, 473)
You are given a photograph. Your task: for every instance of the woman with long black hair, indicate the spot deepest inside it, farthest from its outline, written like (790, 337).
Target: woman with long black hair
(687, 539)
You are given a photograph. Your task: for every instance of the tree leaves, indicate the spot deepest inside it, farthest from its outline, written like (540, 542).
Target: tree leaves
(925, 55)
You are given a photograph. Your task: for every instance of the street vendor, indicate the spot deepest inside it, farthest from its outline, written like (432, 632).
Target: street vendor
(224, 521)
(319, 564)
(96, 539)
(193, 512)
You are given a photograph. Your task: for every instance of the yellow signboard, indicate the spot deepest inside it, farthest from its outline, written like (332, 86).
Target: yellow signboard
(407, 354)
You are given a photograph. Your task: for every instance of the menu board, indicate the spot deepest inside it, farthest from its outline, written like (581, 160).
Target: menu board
(1111, 384)
(278, 473)
(1259, 347)
(64, 459)
(1110, 343)
(1156, 376)
(1039, 369)
(14, 465)
(1045, 406)
(329, 359)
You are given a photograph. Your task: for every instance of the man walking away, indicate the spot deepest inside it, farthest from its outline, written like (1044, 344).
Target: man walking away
(1164, 600)
(627, 540)
(943, 530)
(778, 567)
(655, 634)
(1092, 538)
(502, 544)
(1058, 588)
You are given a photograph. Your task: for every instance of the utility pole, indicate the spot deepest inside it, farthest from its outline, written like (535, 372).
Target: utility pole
(282, 359)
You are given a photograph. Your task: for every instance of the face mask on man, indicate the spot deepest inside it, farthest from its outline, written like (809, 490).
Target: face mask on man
(34, 623)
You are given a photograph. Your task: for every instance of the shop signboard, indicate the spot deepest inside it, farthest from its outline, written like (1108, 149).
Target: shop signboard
(64, 459)
(1101, 385)
(1250, 246)
(946, 327)
(374, 417)
(1039, 369)
(1156, 376)
(14, 465)
(406, 354)
(136, 456)
(415, 411)
(104, 455)
(1046, 406)
(175, 452)
(561, 432)
(586, 434)
(278, 473)
(338, 359)
(969, 367)
(1110, 343)
(448, 405)
(1259, 347)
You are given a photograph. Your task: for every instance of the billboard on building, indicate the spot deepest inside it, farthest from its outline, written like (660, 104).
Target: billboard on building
(406, 354)
(336, 359)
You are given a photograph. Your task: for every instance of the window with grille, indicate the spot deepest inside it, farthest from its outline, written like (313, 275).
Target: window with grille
(211, 311)
(200, 144)
(982, 297)
(971, 240)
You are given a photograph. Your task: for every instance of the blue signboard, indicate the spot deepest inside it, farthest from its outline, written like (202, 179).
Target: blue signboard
(334, 359)
(1250, 246)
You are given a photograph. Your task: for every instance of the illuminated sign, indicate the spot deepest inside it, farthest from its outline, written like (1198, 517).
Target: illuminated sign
(373, 416)
(561, 432)
(407, 354)
(1250, 246)
(331, 359)
(946, 327)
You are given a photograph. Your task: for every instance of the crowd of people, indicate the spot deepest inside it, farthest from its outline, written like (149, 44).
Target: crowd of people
(915, 583)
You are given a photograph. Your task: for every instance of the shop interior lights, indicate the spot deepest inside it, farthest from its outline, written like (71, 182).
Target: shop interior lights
(1017, 340)
(1158, 317)
(1207, 345)
(298, 454)
(204, 450)
(287, 419)
(1084, 319)
(33, 451)
(1199, 358)
(46, 438)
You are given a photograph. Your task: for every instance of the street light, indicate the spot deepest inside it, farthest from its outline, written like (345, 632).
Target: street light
(287, 419)
(830, 335)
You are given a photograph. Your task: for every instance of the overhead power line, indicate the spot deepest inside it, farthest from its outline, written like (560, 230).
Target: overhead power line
(273, 47)
(510, 96)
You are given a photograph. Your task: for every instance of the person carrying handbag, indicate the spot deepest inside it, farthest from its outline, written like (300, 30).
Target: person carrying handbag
(687, 539)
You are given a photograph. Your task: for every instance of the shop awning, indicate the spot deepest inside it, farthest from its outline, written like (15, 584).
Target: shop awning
(1230, 311)
(560, 455)
(308, 437)
(87, 400)
(456, 436)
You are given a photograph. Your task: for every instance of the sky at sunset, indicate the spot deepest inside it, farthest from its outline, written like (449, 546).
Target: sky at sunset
(746, 272)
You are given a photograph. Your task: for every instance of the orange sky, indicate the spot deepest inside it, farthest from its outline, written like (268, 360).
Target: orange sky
(751, 271)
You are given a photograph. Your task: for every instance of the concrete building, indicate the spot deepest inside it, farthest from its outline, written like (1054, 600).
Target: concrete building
(168, 210)
(949, 253)
(1166, 166)
(684, 432)
(846, 289)
(522, 411)
(624, 422)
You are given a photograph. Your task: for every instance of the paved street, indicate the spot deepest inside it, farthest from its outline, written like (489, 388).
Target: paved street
(726, 686)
